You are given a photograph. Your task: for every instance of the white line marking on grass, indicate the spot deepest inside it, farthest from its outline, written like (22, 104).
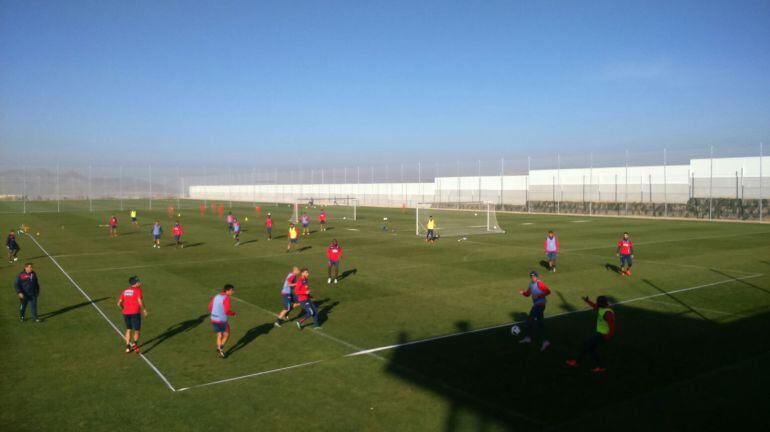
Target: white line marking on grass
(98, 309)
(435, 338)
(695, 308)
(352, 229)
(611, 246)
(666, 263)
(528, 223)
(580, 221)
(251, 375)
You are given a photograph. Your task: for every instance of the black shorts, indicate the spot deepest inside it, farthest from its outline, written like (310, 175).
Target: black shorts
(133, 321)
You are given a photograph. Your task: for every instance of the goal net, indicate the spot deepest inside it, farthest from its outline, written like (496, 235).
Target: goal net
(454, 219)
(336, 208)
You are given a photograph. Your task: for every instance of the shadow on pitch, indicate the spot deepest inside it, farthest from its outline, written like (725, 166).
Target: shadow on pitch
(612, 268)
(348, 273)
(194, 244)
(248, 241)
(672, 297)
(325, 309)
(488, 380)
(304, 248)
(544, 264)
(172, 331)
(249, 337)
(48, 315)
(749, 284)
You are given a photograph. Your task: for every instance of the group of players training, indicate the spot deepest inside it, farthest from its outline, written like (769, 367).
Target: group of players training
(295, 291)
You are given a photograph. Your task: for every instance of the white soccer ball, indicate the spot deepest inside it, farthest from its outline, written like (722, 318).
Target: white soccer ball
(515, 330)
(495, 227)
(247, 219)
(344, 217)
(475, 214)
(384, 218)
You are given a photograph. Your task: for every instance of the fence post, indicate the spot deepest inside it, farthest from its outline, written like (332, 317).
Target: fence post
(526, 184)
(502, 176)
(625, 190)
(665, 185)
(58, 190)
(479, 198)
(24, 191)
(90, 190)
(558, 178)
(591, 184)
(458, 182)
(149, 177)
(120, 186)
(419, 181)
(761, 155)
(711, 180)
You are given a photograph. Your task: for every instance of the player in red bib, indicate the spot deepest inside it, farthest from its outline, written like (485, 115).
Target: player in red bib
(305, 300)
(170, 211)
(322, 219)
(131, 303)
(334, 254)
(625, 251)
(202, 209)
(177, 232)
(269, 226)
(113, 226)
(220, 210)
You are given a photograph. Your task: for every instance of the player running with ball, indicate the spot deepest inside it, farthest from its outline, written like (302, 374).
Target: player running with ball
(538, 291)
(306, 301)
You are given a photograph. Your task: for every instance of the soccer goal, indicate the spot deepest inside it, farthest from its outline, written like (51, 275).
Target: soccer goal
(454, 219)
(336, 208)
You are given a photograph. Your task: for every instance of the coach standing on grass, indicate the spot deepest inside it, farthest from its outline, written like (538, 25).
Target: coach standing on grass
(28, 289)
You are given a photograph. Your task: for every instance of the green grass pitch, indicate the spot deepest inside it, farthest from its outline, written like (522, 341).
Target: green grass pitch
(691, 350)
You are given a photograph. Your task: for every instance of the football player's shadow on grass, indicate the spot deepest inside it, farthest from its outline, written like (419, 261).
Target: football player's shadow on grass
(347, 273)
(324, 309)
(250, 335)
(248, 241)
(519, 317)
(194, 244)
(544, 264)
(172, 331)
(52, 314)
(564, 304)
(304, 248)
(612, 267)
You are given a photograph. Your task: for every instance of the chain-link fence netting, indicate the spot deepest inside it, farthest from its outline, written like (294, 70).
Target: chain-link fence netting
(729, 182)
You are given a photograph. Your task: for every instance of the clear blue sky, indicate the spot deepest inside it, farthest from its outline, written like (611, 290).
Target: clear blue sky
(332, 83)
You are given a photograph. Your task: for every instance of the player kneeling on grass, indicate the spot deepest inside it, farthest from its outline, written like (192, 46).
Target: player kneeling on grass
(177, 232)
(12, 246)
(157, 232)
(625, 251)
(131, 302)
(306, 301)
(334, 254)
(219, 307)
(113, 226)
(27, 287)
(538, 291)
(551, 246)
(605, 330)
(289, 302)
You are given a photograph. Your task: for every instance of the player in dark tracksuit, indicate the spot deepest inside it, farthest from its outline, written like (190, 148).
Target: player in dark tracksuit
(27, 287)
(13, 247)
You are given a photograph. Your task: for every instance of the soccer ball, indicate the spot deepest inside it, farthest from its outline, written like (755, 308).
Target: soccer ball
(515, 330)
(475, 214)
(384, 218)
(247, 219)
(495, 227)
(37, 233)
(179, 215)
(344, 217)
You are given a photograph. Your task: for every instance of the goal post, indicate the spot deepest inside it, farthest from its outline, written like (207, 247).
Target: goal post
(336, 208)
(455, 219)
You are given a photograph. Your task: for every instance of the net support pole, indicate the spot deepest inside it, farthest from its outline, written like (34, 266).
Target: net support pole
(419, 181)
(591, 184)
(558, 179)
(178, 195)
(205, 187)
(24, 191)
(254, 188)
(479, 172)
(502, 171)
(90, 190)
(417, 220)
(526, 184)
(488, 217)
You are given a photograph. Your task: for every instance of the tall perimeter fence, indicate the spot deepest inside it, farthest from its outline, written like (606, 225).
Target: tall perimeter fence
(729, 182)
